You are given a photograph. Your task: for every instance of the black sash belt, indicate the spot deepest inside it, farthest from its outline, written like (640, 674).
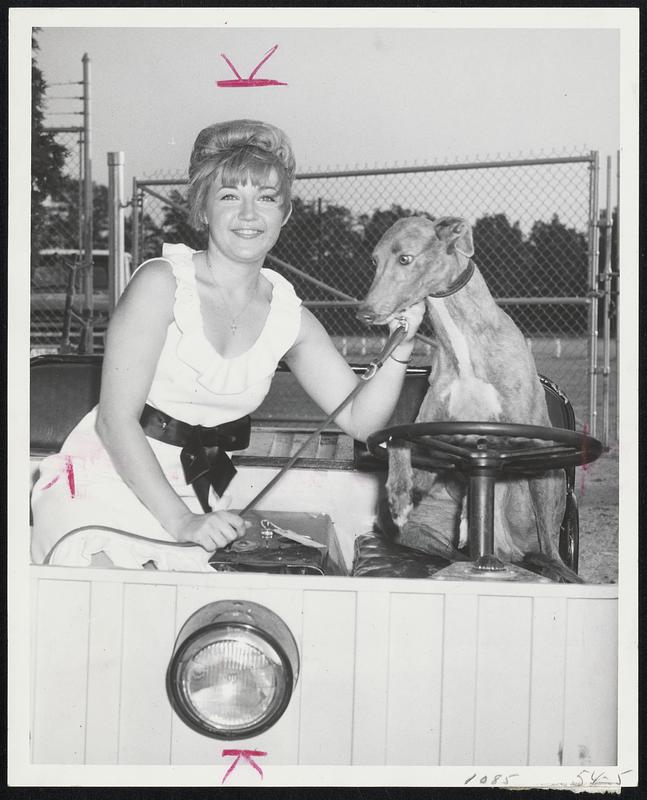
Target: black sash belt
(203, 457)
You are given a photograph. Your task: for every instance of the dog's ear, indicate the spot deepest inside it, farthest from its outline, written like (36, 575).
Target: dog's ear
(457, 233)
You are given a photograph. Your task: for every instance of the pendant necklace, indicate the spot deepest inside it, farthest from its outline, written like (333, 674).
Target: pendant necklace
(233, 327)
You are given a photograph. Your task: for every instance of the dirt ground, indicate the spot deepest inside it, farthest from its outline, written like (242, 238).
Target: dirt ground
(597, 490)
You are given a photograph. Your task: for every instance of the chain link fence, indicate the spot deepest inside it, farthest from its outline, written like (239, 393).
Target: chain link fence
(535, 234)
(56, 251)
(59, 264)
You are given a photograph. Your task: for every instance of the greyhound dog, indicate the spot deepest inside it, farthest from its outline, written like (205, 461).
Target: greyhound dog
(481, 370)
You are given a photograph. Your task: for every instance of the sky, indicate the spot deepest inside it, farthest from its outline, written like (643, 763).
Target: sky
(355, 97)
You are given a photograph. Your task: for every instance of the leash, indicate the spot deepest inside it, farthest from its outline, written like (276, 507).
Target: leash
(392, 342)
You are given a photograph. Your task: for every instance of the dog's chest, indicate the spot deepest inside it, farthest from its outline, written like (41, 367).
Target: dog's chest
(457, 390)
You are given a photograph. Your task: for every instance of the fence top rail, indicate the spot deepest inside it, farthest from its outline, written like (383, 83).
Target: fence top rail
(64, 130)
(144, 182)
(587, 159)
(350, 173)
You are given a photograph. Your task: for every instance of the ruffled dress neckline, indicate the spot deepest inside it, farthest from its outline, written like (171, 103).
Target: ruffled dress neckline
(215, 372)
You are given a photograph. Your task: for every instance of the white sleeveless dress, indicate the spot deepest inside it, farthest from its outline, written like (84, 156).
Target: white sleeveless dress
(80, 487)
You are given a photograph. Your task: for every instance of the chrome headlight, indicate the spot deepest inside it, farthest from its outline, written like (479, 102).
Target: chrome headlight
(233, 669)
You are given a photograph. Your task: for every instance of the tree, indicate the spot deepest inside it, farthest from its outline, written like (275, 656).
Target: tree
(558, 267)
(500, 252)
(60, 215)
(47, 157)
(175, 227)
(558, 258)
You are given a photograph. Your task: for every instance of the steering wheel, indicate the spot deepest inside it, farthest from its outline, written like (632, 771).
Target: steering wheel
(482, 451)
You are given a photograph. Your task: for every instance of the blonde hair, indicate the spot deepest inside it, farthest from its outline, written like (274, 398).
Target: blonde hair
(234, 152)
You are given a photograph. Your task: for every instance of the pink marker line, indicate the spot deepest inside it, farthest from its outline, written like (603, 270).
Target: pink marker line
(246, 755)
(585, 431)
(51, 483)
(69, 472)
(69, 469)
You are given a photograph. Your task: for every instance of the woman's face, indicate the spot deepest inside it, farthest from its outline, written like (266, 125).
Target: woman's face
(245, 220)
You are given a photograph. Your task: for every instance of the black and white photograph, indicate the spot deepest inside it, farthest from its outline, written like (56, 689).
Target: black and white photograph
(323, 397)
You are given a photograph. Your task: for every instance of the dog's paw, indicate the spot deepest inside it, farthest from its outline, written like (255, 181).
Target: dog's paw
(463, 532)
(400, 513)
(400, 500)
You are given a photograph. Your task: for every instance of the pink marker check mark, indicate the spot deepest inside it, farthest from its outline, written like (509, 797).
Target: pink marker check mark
(246, 755)
(251, 80)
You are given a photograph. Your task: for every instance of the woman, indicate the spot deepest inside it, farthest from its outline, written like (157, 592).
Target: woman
(194, 341)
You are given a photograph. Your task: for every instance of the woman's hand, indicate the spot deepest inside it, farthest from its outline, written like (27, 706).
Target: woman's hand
(211, 531)
(413, 315)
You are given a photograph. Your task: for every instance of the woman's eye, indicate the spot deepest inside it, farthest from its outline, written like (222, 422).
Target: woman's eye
(405, 259)
(268, 198)
(228, 196)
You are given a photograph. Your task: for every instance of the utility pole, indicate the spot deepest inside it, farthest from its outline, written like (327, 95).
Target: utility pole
(86, 345)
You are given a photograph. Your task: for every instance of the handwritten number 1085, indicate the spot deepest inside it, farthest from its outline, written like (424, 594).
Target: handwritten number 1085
(500, 779)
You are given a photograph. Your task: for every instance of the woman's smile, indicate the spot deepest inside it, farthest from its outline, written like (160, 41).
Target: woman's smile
(248, 233)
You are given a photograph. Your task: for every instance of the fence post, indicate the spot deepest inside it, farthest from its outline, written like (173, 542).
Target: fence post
(117, 274)
(135, 218)
(593, 291)
(606, 318)
(617, 296)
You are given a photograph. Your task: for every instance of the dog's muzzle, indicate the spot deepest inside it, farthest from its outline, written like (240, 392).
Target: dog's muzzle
(366, 314)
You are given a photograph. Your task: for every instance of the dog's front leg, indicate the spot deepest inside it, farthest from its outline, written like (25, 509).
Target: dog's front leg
(399, 485)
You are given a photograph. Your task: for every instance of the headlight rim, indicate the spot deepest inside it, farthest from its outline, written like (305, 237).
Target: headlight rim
(192, 719)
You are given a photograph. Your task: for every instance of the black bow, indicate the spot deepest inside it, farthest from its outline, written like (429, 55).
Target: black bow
(203, 456)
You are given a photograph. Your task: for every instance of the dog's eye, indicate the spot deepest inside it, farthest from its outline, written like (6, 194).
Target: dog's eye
(374, 262)
(404, 259)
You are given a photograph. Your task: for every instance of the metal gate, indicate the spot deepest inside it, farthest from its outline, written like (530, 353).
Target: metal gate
(537, 231)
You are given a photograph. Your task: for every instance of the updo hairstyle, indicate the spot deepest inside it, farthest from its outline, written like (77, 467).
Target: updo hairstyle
(236, 152)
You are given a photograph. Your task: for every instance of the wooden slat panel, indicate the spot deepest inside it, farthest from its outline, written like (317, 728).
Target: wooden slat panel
(459, 680)
(282, 444)
(547, 681)
(415, 665)
(344, 451)
(327, 690)
(280, 742)
(104, 678)
(326, 445)
(371, 678)
(503, 680)
(145, 723)
(310, 451)
(590, 702)
(61, 672)
(260, 443)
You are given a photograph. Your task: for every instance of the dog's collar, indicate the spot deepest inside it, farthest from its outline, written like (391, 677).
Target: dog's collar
(458, 284)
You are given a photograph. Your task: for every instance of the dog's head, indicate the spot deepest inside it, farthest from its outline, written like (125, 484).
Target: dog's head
(416, 257)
